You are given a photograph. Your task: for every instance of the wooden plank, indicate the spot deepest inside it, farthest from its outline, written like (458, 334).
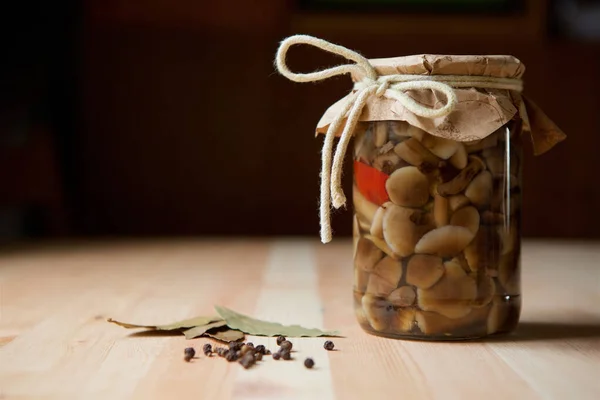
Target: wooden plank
(56, 344)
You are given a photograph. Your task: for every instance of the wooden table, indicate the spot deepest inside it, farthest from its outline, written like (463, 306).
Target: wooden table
(55, 342)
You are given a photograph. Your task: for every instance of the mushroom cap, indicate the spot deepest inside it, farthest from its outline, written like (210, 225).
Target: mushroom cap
(441, 212)
(384, 277)
(403, 227)
(424, 271)
(414, 153)
(380, 135)
(367, 255)
(458, 201)
(459, 158)
(479, 191)
(484, 251)
(403, 296)
(452, 295)
(446, 241)
(378, 311)
(467, 217)
(377, 224)
(402, 320)
(363, 207)
(441, 147)
(408, 187)
(432, 323)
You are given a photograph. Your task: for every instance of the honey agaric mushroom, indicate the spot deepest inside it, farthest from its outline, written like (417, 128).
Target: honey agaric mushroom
(414, 153)
(452, 295)
(467, 217)
(441, 147)
(361, 280)
(423, 271)
(403, 227)
(440, 210)
(459, 158)
(384, 277)
(377, 311)
(432, 323)
(491, 218)
(486, 142)
(408, 187)
(463, 179)
(358, 310)
(458, 201)
(495, 160)
(363, 207)
(403, 296)
(387, 163)
(367, 254)
(380, 136)
(355, 234)
(382, 245)
(402, 320)
(479, 191)
(486, 288)
(404, 129)
(498, 315)
(484, 251)
(446, 241)
(508, 267)
(377, 225)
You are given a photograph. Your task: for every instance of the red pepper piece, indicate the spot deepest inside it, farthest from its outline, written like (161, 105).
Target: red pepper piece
(371, 183)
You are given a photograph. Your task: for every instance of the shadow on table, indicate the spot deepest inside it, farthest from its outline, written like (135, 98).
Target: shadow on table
(532, 331)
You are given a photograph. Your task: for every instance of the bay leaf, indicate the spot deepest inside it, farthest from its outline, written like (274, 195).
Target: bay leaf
(185, 324)
(198, 331)
(257, 327)
(226, 335)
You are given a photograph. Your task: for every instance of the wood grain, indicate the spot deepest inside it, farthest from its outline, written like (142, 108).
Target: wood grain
(56, 344)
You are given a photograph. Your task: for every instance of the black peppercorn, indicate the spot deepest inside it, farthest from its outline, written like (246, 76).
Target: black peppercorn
(235, 346)
(328, 345)
(280, 339)
(245, 349)
(247, 361)
(260, 349)
(250, 344)
(267, 352)
(207, 349)
(286, 345)
(309, 363)
(258, 356)
(189, 353)
(231, 356)
(286, 355)
(221, 351)
(276, 355)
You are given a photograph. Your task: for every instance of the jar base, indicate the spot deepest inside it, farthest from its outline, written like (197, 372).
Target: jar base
(498, 318)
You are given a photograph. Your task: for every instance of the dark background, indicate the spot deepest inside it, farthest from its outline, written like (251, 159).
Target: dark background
(160, 117)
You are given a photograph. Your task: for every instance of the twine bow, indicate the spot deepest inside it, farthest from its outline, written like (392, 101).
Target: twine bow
(388, 86)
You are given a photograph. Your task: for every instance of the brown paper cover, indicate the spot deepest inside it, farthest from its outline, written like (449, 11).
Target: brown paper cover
(479, 112)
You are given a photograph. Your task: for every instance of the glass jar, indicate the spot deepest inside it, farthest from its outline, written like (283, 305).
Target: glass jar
(437, 226)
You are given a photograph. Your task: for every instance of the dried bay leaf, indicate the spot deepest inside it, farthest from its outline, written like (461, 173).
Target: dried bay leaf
(198, 331)
(185, 324)
(226, 335)
(257, 327)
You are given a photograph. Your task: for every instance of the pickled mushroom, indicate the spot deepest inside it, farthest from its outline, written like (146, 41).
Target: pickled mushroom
(404, 296)
(463, 179)
(408, 187)
(446, 241)
(367, 254)
(424, 271)
(403, 227)
(441, 147)
(479, 191)
(384, 277)
(467, 217)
